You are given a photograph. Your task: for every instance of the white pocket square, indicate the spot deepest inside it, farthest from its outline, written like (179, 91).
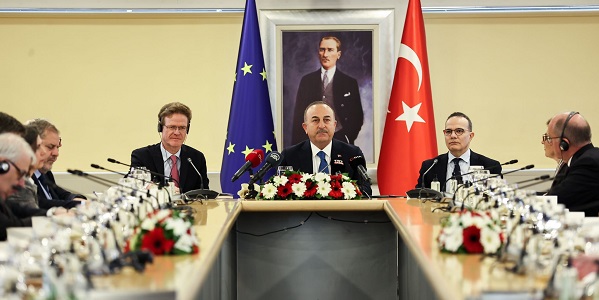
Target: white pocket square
(347, 95)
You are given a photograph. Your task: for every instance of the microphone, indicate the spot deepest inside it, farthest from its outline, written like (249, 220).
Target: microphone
(164, 177)
(540, 181)
(205, 193)
(272, 160)
(337, 165)
(435, 161)
(252, 160)
(422, 191)
(102, 168)
(358, 163)
(542, 177)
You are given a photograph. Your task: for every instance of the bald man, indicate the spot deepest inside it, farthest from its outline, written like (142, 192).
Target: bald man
(569, 135)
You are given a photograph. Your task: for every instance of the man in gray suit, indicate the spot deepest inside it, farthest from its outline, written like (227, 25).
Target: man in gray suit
(339, 90)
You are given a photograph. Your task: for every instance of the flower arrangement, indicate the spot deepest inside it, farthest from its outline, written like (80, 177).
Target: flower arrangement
(298, 186)
(165, 232)
(470, 232)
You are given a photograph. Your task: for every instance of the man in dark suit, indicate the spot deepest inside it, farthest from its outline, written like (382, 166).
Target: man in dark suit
(334, 87)
(319, 124)
(570, 136)
(171, 157)
(49, 194)
(458, 135)
(15, 159)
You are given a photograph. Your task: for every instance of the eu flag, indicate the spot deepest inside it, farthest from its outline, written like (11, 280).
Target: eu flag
(250, 119)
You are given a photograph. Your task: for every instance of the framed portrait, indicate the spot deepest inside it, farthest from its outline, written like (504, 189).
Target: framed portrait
(291, 41)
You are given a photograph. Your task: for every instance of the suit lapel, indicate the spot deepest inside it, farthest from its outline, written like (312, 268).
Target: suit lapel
(305, 158)
(442, 170)
(185, 167)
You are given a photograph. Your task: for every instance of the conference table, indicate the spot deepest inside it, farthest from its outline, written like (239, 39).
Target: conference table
(331, 249)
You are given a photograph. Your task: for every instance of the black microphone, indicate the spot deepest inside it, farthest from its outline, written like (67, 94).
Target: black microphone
(95, 166)
(539, 182)
(204, 193)
(358, 163)
(164, 177)
(252, 160)
(435, 161)
(422, 191)
(542, 177)
(272, 160)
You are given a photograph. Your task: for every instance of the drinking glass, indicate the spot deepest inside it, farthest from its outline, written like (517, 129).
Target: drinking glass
(282, 169)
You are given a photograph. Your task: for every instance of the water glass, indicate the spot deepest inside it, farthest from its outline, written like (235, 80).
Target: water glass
(282, 169)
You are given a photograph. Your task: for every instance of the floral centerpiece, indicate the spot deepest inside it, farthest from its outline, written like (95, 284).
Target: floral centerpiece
(298, 186)
(470, 232)
(165, 232)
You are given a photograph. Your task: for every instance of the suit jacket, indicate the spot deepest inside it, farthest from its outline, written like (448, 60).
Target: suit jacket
(299, 156)
(26, 196)
(577, 190)
(151, 158)
(348, 105)
(440, 169)
(14, 215)
(60, 196)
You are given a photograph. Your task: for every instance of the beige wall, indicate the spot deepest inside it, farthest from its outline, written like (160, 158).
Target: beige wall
(102, 79)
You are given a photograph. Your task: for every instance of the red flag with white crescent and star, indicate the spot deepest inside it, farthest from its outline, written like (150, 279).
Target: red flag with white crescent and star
(409, 136)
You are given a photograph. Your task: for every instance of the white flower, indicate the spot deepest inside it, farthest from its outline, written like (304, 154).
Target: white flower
(299, 189)
(178, 226)
(306, 177)
(349, 190)
(148, 223)
(345, 178)
(161, 214)
(269, 191)
(453, 238)
(280, 180)
(466, 219)
(322, 177)
(324, 188)
(184, 243)
(490, 240)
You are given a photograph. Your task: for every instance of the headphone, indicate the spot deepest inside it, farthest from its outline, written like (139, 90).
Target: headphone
(563, 144)
(4, 167)
(160, 126)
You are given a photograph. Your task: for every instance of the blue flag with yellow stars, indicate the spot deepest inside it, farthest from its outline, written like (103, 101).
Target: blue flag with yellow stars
(250, 119)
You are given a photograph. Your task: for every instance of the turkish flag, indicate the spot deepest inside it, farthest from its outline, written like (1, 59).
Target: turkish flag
(409, 136)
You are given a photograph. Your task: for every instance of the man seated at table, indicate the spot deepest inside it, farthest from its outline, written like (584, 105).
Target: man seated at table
(321, 153)
(171, 157)
(457, 161)
(570, 136)
(48, 192)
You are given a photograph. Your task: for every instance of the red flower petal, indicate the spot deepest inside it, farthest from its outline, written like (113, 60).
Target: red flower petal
(155, 242)
(471, 242)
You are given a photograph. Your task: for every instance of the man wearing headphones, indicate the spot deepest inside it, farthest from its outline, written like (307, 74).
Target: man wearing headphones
(171, 157)
(570, 136)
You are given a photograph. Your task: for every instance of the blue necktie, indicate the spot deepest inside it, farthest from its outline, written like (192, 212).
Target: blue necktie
(323, 167)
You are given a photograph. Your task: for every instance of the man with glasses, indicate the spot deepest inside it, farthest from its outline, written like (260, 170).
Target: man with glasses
(569, 136)
(15, 159)
(451, 165)
(49, 194)
(171, 157)
(562, 167)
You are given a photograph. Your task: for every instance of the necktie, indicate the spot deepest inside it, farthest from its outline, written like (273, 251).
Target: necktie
(457, 174)
(560, 174)
(174, 170)
(42, 180)
(325, 80)
(323, 167)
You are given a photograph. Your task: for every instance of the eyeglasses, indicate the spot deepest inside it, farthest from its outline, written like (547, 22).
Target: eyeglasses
(21, 172)
(174, 128)
(547, 138)
(458, 131)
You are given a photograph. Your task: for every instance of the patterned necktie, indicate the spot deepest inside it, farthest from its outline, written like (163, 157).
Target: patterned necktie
(174, 170)
(323, 167)
(325, 80)
(457, 174)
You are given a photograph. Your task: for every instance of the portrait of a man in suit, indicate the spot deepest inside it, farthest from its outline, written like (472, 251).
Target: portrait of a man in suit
(341, 76)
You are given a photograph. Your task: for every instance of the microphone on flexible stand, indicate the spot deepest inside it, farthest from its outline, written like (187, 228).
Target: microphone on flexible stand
(273, 160)
(252, 160)
(162, 183)
(204, 193)
(513, 161)
(358, 164)
(423, 191)
(337, 165)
